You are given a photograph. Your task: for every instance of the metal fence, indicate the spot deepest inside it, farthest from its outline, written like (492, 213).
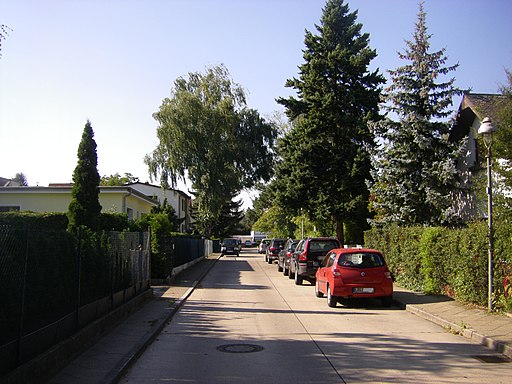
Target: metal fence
(53, 283)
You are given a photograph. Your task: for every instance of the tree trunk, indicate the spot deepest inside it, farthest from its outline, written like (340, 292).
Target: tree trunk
(340, 231)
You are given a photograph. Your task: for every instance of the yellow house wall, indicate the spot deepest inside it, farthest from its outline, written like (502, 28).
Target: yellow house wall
(37, 202)
(59, 201)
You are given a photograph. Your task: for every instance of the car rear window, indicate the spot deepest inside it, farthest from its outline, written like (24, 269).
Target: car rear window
(361, 260)
(230, 242)
(323, 245)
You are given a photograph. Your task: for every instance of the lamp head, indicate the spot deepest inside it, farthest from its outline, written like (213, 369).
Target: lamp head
(486, 130)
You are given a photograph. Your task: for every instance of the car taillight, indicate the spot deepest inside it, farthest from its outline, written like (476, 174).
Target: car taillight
(387, 275)
(273, 249)
(336, 273)
(289, 254)
(303, 257)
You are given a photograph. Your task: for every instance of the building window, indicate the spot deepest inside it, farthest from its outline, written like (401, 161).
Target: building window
(9, 208)
(129, 212)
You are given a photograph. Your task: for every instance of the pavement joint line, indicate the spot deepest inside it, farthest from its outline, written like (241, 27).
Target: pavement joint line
(468, 333)
(115, 374)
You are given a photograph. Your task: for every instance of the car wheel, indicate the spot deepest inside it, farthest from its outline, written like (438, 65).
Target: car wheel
(269, 260)
(286, 271)
(387, 300)
(317, 290)
(331, 300)
(279, 267)
(298, 278)
(291, 274)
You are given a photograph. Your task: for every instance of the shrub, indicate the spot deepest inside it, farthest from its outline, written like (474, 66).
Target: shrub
(440, 260)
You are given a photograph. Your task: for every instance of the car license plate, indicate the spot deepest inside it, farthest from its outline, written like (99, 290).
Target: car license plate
(362, 290)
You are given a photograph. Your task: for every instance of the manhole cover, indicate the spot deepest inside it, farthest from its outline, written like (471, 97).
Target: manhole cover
(240, 348)
(493, 359)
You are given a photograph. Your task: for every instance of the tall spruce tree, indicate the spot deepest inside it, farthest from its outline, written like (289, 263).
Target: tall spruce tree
(324, 157)
(85, 208)
(415, 170)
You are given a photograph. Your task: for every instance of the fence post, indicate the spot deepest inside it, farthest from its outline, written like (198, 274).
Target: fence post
(23, 294)
(111, 266)
(78, 272)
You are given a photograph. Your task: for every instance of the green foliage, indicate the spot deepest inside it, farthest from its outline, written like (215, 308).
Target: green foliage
(59, 221)
(502, 146)
(34, 220)
(168, 210)
(84, 209)
(114, 222)
(206, 132)
(228, 222)
(453, 262)
(434, 260)
(415, 174)
(21, 179)
(3, 33)
(325, 161)
(275, 223)
(117, 179)
(160, 229)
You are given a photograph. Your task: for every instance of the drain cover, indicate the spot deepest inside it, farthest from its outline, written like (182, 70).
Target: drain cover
(240, 348)
(493, 359)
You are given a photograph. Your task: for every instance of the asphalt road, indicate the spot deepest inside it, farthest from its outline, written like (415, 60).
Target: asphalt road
(247, 323)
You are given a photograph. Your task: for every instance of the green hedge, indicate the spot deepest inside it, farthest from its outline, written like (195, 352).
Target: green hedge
(59, 221)
(453, 262)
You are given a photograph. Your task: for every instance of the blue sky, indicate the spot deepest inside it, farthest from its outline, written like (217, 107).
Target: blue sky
(113, 61)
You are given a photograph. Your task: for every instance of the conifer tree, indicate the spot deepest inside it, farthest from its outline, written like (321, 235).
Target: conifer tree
(324, 158)
(415, 175)
(85, 208)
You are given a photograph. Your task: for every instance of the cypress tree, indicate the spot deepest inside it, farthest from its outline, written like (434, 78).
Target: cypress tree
(415, 171)
(85, 208)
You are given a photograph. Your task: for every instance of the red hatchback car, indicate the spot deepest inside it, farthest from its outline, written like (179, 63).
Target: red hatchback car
(348, 273)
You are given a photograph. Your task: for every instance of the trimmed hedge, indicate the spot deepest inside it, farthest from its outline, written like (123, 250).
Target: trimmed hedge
(59, 221)
(453, 262)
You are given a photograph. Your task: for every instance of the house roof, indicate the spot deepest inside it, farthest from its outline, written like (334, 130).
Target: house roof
(8, 182)
(483, 104)
(475, 106)
(158, 187)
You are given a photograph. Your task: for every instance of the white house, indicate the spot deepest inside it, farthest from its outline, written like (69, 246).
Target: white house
(180, 201)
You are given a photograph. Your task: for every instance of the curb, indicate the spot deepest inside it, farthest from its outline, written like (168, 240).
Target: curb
(489, 342)
(131, 357)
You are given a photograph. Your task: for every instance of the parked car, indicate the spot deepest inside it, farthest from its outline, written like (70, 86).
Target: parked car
(273, 250)
(351, 273)
(248, 244)
(283, 259)
(307, 257)
(263, 246)
(230, 246)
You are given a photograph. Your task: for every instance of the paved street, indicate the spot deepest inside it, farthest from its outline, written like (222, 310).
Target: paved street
(246, 322)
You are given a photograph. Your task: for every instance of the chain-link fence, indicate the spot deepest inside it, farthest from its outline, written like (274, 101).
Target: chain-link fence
(53, 283)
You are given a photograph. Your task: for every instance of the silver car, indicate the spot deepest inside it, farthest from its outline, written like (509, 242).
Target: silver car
(263, 246)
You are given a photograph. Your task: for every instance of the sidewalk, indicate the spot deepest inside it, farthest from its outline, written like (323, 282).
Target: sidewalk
(109, 358)
(492, 330)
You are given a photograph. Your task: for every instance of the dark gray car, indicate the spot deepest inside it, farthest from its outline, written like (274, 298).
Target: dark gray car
(308, 255)
(283, 260)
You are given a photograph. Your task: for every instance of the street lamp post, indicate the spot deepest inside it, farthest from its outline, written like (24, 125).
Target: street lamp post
(486, 130)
